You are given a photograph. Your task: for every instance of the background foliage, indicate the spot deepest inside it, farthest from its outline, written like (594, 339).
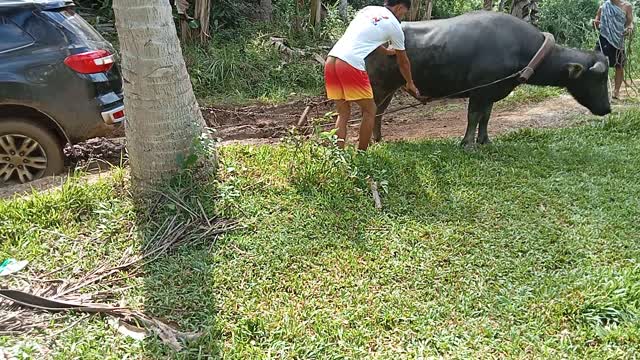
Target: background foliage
(241, 63)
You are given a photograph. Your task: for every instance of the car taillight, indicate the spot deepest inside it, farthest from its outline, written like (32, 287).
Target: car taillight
(118, 115)
(91, 62)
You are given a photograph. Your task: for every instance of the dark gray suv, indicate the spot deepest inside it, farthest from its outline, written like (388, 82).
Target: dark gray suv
(59, 84)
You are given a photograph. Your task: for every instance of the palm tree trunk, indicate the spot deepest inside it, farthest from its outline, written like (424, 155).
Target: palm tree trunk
(488, 5)
(163, 116)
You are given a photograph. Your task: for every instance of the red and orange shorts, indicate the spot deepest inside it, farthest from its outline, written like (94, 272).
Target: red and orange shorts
(344, 82)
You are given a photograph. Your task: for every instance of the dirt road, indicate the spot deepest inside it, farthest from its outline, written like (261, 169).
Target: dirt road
(268, 124)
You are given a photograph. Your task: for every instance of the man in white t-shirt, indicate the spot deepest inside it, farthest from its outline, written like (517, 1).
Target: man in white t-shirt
(345, 75)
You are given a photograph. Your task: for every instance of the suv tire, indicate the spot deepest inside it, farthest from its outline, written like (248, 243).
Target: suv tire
(28, 151)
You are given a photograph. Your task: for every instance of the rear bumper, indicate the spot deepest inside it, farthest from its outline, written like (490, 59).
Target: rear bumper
(114, 116)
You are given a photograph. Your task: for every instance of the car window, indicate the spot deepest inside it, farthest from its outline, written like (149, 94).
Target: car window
(12, 36)
(74, 23)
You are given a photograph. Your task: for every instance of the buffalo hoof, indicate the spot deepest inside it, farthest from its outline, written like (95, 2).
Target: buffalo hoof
(467, 144)
(484, 140)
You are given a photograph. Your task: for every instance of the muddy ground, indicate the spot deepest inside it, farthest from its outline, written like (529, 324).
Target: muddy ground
(260, 124)
(269, 124)
(439, 119)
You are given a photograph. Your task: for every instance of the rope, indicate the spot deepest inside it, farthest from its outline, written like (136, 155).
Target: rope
(628, 72)
(426, 100)
(249, 113)
(423, 101)
(610, 87)
(628, 67)
(262, 114)
(628, 81)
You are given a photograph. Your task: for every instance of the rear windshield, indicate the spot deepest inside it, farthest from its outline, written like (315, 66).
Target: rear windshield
(74, 23)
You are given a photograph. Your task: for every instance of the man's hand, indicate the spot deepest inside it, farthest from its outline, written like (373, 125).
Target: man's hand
(628, 31)
(405, 70)
(412, 89)
(387, 51)
(596, 24)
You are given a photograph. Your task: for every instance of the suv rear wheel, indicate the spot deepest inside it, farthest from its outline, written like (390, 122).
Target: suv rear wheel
(27, 151)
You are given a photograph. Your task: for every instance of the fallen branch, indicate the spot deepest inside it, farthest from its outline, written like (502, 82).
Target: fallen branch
(279, 44)
(317, 57)
(376, 195)
(167, 333)
(303, 117)
(67, 297)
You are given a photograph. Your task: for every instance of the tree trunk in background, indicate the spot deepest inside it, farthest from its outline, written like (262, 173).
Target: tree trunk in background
(297, 21)
(429, 9)
(501, 5)
(413, 12)
(518, 8)
(343, 10)
(163, 116)
(526, 10)
(488, 5)
(266, 10)
(183, 14)
(203, 13)
(316, 13)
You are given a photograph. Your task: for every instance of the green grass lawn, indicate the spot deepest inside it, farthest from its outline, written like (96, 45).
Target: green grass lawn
(528, 248)
(528, 94)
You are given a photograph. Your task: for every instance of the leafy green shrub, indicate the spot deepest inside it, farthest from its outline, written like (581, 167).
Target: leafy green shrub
(334, 26)
(570, 21)
(451, 8)
(250, 70)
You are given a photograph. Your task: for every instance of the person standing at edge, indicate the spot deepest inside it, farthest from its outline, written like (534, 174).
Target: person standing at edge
(345, 75)
(614, 20)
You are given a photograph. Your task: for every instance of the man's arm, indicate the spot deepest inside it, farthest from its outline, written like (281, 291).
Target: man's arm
(628, 27)
(405, 70)
(397, 41)
(596, 22)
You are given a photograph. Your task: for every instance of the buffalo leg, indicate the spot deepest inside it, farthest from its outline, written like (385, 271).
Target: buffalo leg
(478, 111)
(382, 107)
(483, 134)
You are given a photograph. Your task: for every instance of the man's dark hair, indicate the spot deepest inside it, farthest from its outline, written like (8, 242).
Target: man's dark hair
(406, 3)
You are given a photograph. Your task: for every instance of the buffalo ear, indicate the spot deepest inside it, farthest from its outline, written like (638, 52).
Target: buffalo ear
(575, 70)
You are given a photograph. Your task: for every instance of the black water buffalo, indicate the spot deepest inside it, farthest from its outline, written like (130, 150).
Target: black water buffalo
(452, 55)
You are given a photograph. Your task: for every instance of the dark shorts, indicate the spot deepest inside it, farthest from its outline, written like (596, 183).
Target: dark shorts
(617, 57)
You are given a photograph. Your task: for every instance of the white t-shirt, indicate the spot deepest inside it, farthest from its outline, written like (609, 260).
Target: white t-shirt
(372, 27)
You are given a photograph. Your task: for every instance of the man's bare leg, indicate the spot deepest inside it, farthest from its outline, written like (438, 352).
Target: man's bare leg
(344, 113)
(618, 82)
(368, 107)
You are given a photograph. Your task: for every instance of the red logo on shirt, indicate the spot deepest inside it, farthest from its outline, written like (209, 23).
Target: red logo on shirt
(377, 19)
